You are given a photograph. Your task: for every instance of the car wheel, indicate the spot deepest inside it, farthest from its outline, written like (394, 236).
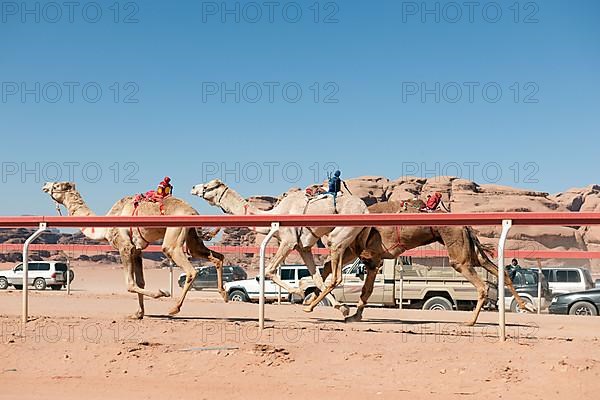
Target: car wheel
(18, 287)
(295, 299)
(56, 287)
(238, 295)
(3, 283)
(514, 306)
(39, 284)
(311, 296)
(583, 308)
(438, 303)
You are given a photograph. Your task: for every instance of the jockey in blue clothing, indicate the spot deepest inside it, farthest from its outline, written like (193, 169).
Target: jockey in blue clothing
(335, 186)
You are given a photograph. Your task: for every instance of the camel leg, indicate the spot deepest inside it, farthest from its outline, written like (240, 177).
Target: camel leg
(217, 260)
(460, 252)
(173, 248)
(326, 270)
(139, 280)
(482, 288)
(199, 250)
(271, 271)
(461, 257)
(309, 260)
(336, 271)
(493, 269)
(366, 291)
(129, 259)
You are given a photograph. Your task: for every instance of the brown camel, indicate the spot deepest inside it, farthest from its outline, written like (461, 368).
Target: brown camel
(131, 241)
(219, 194)
(464, 251)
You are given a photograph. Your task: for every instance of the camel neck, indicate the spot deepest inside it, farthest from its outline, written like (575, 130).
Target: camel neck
(76, 205)
(232, 203)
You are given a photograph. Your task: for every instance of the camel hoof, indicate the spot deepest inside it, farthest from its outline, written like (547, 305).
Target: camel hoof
(174, 311)
(353, 318)
(137, 316)
(163, 293)
(530, 308)
(308, 309)
(471, 323)
(344, 309)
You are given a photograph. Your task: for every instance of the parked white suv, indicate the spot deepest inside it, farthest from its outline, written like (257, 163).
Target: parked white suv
(41, 275)
(248, 289)
(568, 280)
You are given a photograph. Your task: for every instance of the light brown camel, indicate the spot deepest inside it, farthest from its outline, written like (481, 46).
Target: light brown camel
(464, 252)
(219, 194)
(131, 241)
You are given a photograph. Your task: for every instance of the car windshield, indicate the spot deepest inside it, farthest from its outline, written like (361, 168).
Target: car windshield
(530, 278)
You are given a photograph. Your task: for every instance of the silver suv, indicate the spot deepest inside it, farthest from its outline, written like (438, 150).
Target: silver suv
(41, 275)
(564, 280)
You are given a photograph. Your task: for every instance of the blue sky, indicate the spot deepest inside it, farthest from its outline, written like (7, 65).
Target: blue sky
(386, 89)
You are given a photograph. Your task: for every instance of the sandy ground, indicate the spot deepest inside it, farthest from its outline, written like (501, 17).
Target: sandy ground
(81, 346)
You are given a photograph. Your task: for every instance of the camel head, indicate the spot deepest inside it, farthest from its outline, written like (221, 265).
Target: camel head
(58, 190)
(211, 191)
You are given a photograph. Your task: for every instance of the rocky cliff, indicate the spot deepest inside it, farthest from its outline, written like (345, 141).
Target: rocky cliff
(461, 195)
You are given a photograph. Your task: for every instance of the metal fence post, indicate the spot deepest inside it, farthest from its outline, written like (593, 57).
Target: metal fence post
(261, 299)
(171, 278)
(68, 277)
(29, 240)
(540, 276)
(506, 225)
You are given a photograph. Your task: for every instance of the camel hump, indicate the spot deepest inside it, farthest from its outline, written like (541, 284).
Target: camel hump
(169, 205)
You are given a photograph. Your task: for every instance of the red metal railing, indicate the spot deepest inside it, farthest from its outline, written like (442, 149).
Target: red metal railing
(406, 219)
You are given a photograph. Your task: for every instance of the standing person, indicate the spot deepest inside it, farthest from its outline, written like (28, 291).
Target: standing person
(512, 268)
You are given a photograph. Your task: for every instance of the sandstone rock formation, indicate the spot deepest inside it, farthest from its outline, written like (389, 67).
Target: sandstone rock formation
(461, 195)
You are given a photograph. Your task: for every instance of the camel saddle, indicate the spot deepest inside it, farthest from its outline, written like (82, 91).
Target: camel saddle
(150, 196)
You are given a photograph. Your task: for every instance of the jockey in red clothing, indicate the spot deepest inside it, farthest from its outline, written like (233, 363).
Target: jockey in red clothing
(165, 188)
(432, 202)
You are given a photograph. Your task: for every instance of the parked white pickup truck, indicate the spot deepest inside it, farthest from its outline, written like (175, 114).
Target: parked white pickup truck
(431, 288)
(413, 286)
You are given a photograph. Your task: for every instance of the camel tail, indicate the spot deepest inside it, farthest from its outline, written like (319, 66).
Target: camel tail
(484, 250)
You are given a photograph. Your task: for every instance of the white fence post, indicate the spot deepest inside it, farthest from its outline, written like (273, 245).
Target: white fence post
(506, 225)
(30, 239)
(279, 287)
(68, 277)
(171, 286)
(540, 276)
(261, 299)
